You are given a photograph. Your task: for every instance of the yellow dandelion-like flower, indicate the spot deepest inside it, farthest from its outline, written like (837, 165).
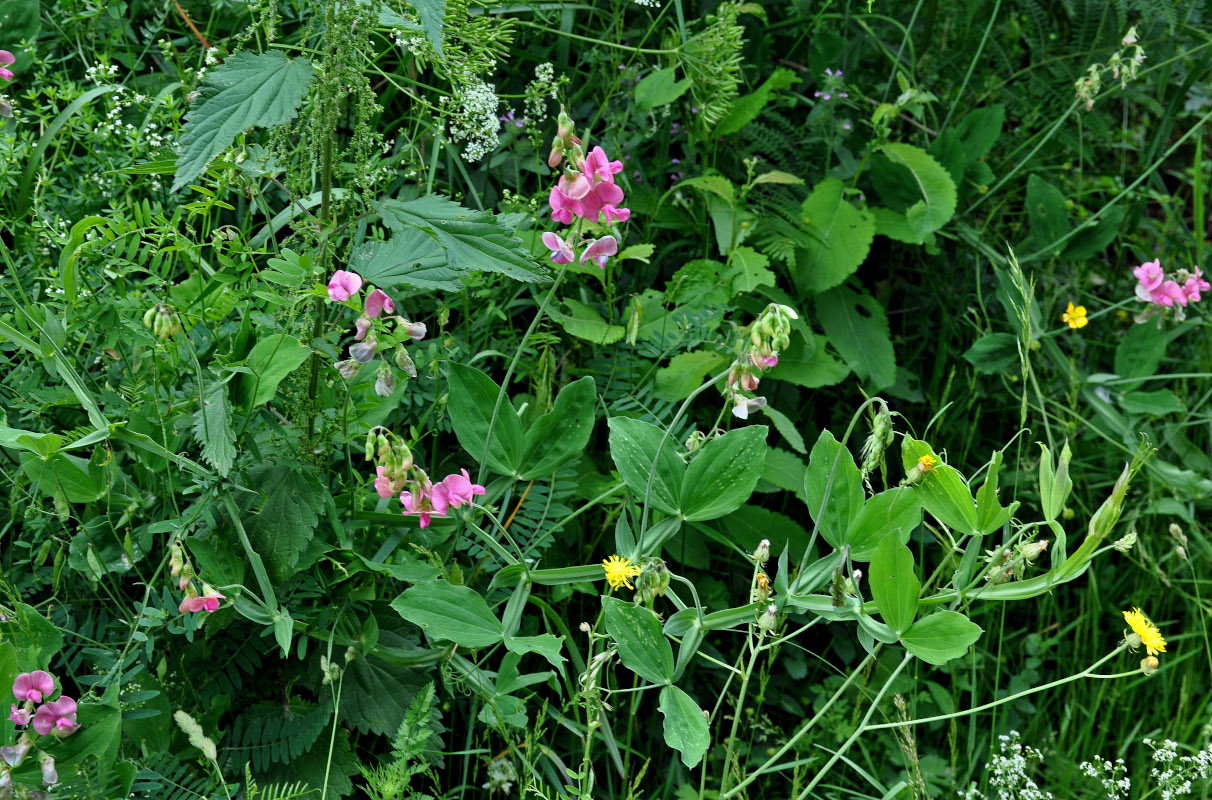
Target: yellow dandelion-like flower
(1149, 635)
(619, 572)
(927, 463)
(1075, 316)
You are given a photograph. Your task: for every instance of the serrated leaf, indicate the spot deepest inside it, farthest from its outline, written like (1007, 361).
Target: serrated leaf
(432, 14)
(856, 325)
(472, 240)
(922, 179)
(842, 237)
(685, 373)
(749, 270)
(284, 526)
(409, 258)
(248, 90)
(212, 428)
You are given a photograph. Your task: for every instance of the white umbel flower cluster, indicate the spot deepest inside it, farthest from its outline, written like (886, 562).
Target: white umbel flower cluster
(474, 119)
(1174, 774)
(1008, 772)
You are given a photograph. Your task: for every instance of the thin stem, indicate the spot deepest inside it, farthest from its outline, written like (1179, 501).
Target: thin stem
(740, 704)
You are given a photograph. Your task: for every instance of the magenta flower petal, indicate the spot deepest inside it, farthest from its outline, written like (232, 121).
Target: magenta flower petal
(343, 285)
(601, 250)
(377, 301)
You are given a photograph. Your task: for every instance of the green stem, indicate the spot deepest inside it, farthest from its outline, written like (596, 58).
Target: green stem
(740, 704)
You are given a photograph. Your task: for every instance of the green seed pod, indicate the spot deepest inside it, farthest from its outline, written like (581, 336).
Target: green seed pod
(149, 317)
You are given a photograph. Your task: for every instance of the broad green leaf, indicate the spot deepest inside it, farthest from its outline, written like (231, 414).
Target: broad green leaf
(376, 693)
(806, 363)
(1048, 217)
(782, 470)
(271, 360)
(685, 373)
(940, 637)
(990, 515)
(717, 185)
(942, 489)
(409, 258)
(561, 434)
(35, 640)
(246, 90)
(895, 511)
(749, 270)
(545, 644)
(1139, 354)
(99, 732)
(845, 496)
(980, 129)
(1054, 482)
(856, 325)
(212, 428)
(937, 205)
(993, 353)
(473, 240)
(454, 613)
(723, 473)
(69, 474)
(633, 447)
(746, 108)
(1156, 403)
(750, 524)
(1090, 241)
(643, 648)
(659, 89)
(283, 528)
(685, 726)
(842, 237)
(584, 322)
(894, 583)
(8, 664)
(473, 396)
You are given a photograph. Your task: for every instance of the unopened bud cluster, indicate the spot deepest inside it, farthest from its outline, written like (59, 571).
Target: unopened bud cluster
(163, 320)
(372, 333)
(878, 440)
(397, 474)
(1124, 65)
(1012, 563)
(652, 582)
(182, 571)
(769, 334)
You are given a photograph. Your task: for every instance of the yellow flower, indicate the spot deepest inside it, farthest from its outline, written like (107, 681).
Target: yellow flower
(927, 463)
(1148, 633)
(1075, 316)
(619, 572)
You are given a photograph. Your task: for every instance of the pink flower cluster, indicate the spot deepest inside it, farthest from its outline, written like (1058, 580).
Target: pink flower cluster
(183, 572)
(833, 80)
(343, 287)
(7, 59)
(432, 499)
(50, 717)
(1154, 287)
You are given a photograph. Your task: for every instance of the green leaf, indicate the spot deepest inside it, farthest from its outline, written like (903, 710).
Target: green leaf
(980, 129)
(685, 726)
(376, 693)
(286, 523)
(100, 730)
(561, 434)
(247, 90)
(472, 240)
(1048, 216)
(894, 584)
(942, 489)
(723, 473)
(746, 108)
(271, 360)
(806, 363)
(717, 185)
(473, 396)
(35, 640)
(993, 353)
(783, 470)
(748, 271)
(1156, 403)
(940, 637)
(895, 512)
(432, 14)
(856, 325)
(937, 206)
(409, 258)
(659, 89)
(586, 323)
(1090, 241)
(454, 613)
(845, 496)
(1139, 354)
(633, 447)
(61, 471)
(545, 644)
(643, 648)
(212, 428)
(990, 515)
(842, 238)
(786, 428)
(685, 373)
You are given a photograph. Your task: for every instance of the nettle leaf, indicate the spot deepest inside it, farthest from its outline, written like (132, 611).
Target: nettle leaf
(284, 527)
(940, 637)
(472, 240)
(473, 396)
(842, 238)
(723, 473)
(410, 258)
(247, 90)
(937, 206)
(432, 14)
(685, 727)
(856, 325)
(633, 446)
(749, 270)
(643, 648)
(212, 428)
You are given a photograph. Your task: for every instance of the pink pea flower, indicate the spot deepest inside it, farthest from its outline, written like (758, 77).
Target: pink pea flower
(427, 501)
(49, 776)
(343, 285)
(1150, 274)
(600, 250)
(362, 327)
(1169, 294)
(563, 208)
(1194, 285)
(764, 361)
(600, 167)
(6, 58)
(744, 406)
(603, 194)
(415, 330)
(364, 352)
(575, 187)
(384, 485)
(460, 490)
(612, 214)
(561, 253)
(378, 301)
(749, 382)
(22, 715)
(13, 755)
(57, 716)
(34, 686)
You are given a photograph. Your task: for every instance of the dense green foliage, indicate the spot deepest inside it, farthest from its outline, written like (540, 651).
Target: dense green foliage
(809, 439)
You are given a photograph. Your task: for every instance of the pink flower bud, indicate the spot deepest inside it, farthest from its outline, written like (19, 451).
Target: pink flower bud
(377, 301)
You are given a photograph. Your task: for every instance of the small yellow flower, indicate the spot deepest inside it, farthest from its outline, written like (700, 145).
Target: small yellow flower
(1075, 316)
(927, 463)
(1148, 633)
(619, 572)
